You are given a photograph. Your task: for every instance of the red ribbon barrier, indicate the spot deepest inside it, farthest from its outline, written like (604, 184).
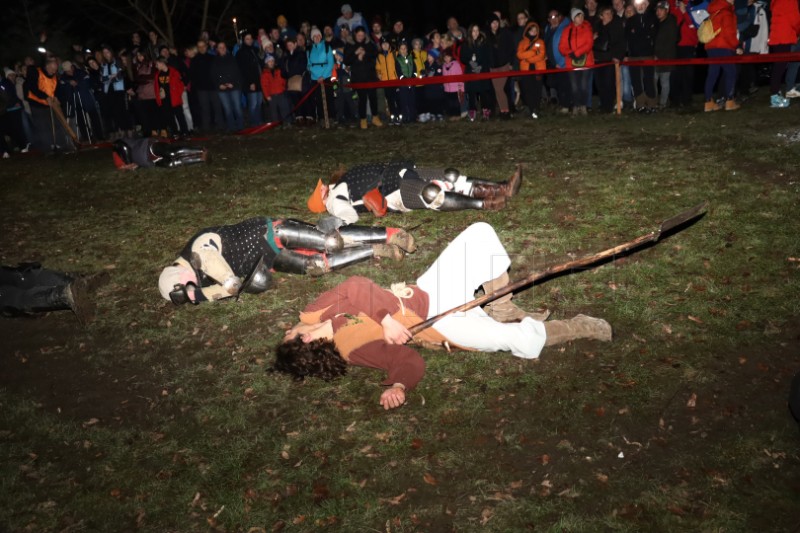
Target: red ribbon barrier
(438, 80)
(269, 125)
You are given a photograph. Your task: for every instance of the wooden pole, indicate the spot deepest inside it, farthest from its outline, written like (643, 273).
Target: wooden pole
(618, 78)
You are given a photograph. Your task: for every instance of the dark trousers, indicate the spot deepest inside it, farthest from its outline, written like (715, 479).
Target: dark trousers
(174, 119)
(778, 69)
(606, 80)
(682, 82)
(728, 72)
(211, 117)
(531, 87)
(408, 103)
(643, 81)
(486, 97)
(149, 116)
(11, 125)
(392, 101)
(452, 104)
(30, 288)
(48, 132)
(563, 90)
(367, 96)
(116, 115)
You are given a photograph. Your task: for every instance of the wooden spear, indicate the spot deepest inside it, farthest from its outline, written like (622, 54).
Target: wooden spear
(651, 237)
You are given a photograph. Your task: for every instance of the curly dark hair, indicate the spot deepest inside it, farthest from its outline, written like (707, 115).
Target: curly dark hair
(318, 358)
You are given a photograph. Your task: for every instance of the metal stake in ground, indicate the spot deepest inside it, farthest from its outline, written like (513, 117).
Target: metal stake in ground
(651, 237)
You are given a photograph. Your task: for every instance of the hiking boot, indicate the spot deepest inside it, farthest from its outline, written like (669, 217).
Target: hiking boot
(404, 241)
(731, 105)
(580, 327)
(711, 105)
(79, 295)
(388, 251)
(503, 309)
(363, 123)
(376, 121)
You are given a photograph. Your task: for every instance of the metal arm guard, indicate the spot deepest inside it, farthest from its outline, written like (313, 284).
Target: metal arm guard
(297, 234)
(259, 280)
(349, 256)
(363, 234)
(293, 262)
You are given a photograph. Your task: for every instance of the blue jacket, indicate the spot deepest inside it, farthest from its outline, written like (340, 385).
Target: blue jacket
(552, 39)
(320, 61)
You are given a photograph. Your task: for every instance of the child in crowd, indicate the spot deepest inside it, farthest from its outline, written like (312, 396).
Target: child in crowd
(169, 97)
(453, 91)
(346, 98)
(386, 69)
(273, 87)
(406, 69)
(432, 95)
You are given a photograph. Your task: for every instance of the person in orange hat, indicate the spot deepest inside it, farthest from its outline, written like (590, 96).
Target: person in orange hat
(401, 186)
(221, 262)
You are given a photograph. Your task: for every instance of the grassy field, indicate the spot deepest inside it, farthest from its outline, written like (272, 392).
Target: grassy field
(158, 418)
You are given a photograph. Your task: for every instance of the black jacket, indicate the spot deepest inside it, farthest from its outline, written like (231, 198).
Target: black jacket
(640, 33)
(610, 43)
(250, 67)
(226, 70)
(666, 41)
(504, 49)
(361, 70)
(294, 64)
(200, 73)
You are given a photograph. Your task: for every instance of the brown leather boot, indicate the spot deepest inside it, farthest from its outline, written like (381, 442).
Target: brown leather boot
(494, 203)
(580, 327)
(488, 189)
(503, 309)
(388, 251)
(404, 241)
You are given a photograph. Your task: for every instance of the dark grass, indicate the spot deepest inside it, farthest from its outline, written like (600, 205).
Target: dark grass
(184, 404)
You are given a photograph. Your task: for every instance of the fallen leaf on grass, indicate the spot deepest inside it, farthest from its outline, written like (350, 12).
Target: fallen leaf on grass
(416, 444)
(544, 459)
(694, 319)
(91, 422)
(602, 478)
(429, 479)
(692, 402)
(518, 484)
(676, 510)
(299, 519)
(393, 501)
(486, 515)
(569, 493)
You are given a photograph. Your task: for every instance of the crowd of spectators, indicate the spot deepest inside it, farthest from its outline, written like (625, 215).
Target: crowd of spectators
(151, 88)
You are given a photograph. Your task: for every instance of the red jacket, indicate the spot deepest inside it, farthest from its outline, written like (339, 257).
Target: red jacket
(176, 87)
(577, 40)
(272, 82)
(785, 25)
(686, 26)
(724, 19)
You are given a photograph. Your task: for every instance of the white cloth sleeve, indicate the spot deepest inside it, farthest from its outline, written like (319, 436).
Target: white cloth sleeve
(339, 205)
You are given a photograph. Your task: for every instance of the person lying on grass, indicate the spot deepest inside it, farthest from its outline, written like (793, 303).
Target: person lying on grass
(360, 323)
(400, 186)
(130, 154)
(223, 261)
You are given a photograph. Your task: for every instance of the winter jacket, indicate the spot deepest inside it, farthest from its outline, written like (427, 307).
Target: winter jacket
(434, 91)
(200, 75)
(666, 42)
(113, 77)
(250, 67)
(226, 70)
(502, 46)
(610, 43)
(577, 41)
(320, 61)
(686, 26)
(640, 34)
(294, 64)
(9, 92)
(39, 86)
(176, 87)
(385, 67)
(723, 19)
(361, 70)
(477, 59)
(453, 68)
(785, 22)
(405, 66)
(145, 84)
(552, 38)
(272, 82)
(531, 52)
(420, 58)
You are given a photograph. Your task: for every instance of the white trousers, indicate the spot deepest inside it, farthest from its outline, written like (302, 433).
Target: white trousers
(471, 259)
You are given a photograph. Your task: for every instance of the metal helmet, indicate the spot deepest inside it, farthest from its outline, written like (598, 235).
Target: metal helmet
(122, 153)
(451, 174)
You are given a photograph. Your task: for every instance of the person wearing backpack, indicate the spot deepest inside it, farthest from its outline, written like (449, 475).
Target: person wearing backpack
(725, 43)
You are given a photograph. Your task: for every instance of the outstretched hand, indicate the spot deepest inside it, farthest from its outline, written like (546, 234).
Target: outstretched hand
(393, 397)
(394, 332)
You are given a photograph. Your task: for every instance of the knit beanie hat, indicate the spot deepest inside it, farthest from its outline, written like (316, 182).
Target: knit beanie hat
(574, 12)
(315, 31)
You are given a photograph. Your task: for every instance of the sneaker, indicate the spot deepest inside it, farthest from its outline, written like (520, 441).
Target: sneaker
(534, 116)
(793, 93)
(6, 155)
(26, 149)
(778, 101)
